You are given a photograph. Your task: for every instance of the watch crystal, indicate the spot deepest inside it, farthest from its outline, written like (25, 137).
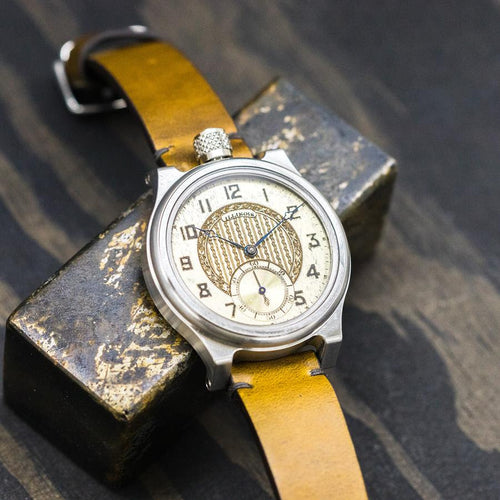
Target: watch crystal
(251, 250)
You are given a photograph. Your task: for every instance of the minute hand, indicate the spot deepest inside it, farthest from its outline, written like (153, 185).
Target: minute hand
(288, 215)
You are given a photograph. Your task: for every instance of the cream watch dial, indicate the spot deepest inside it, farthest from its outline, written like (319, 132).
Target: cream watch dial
(251, 250)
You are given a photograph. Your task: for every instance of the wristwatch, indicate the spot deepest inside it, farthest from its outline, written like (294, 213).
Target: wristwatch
(243, 257)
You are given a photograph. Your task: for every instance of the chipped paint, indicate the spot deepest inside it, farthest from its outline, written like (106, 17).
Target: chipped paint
(119, 250)
(122, 359)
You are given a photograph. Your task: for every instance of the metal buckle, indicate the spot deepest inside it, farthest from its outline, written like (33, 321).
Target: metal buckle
(72, 103)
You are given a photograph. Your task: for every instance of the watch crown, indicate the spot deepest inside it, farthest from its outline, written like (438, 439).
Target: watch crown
(212, 144)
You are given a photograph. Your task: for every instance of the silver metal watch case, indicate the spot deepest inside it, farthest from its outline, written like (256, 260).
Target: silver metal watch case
(219, 340)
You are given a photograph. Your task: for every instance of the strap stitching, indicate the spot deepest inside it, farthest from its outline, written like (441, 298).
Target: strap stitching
(316, 371)
(158, 155)
(237, 385)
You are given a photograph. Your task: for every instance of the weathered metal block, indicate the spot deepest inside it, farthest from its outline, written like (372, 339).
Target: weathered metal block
(89, 361)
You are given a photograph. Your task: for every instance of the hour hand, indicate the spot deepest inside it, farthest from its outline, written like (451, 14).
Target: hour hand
(210, 233)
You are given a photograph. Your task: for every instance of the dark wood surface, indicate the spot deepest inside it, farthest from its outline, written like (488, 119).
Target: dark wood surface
(419, 367)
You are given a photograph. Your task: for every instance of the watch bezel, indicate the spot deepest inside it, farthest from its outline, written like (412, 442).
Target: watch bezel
(180, 307)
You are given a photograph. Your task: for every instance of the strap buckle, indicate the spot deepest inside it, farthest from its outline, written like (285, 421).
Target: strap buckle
(97, 102)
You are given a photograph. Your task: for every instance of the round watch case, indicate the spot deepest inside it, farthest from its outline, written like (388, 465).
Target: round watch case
(185, 312)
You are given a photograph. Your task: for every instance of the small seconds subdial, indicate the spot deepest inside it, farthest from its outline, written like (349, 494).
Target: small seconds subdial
(262, 290)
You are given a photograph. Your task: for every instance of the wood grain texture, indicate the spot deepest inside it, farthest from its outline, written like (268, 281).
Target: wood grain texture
(421, 326)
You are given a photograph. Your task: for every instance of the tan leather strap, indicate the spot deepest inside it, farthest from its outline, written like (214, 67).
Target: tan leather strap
(171, 98)
(294, 410)
(301, 427)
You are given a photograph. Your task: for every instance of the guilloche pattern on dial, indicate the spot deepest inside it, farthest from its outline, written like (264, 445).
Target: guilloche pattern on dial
(251, 250)
(246, 222)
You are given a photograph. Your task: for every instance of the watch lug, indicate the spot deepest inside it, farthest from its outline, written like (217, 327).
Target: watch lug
(279, 157)
(217, 357)
(218, 363)
(161, 179)
(328, 339)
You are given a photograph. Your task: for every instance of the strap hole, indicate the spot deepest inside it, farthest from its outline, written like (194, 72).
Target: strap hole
(238, 385)
(316, 371)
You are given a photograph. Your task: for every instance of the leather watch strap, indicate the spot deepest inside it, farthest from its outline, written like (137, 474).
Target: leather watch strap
(171, 98)
(292, 406)
(301, 427)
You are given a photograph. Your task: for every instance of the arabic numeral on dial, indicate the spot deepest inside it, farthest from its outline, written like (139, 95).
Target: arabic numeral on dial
(291, 209)
(312, 272)
(300, 300)
(232, 191)
(205, 205)
(233, 305)
(189, 232)
(204, 291)
(186, 264)
(313, 241)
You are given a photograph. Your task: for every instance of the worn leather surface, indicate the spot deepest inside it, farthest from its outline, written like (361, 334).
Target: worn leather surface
(301, 427)
(171, 98)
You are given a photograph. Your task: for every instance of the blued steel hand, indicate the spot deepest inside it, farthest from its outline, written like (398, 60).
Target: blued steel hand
(212, 234)
(262, 290)
(288, 215)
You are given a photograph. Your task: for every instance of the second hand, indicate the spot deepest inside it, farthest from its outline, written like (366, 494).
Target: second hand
(262, 289)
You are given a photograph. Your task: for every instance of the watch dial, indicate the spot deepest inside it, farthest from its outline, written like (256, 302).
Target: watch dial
(251, 250)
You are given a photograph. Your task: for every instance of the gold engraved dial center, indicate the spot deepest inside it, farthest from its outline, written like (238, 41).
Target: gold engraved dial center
(243, 224)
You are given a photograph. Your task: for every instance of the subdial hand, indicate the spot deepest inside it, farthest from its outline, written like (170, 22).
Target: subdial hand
(210, 233)
(262, 290)
(288, 215)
